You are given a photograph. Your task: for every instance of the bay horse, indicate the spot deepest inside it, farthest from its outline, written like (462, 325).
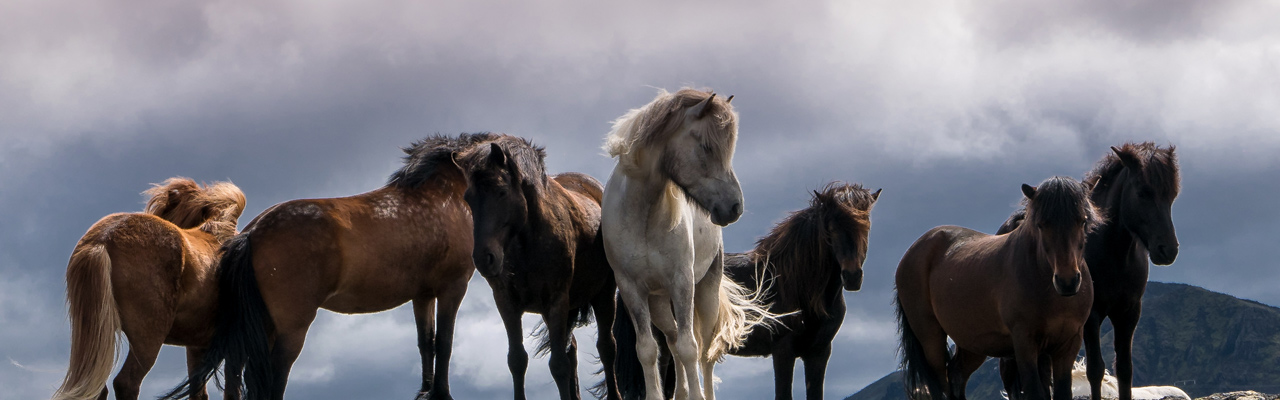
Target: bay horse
(537, 243)
(1025, 295)
(407, 241)
(151, 277)
(670, 193)
(1134, 186)
(804, 265)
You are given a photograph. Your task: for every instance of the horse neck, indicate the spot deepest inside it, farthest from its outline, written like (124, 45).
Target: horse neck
(809, 261)
(1113, 235)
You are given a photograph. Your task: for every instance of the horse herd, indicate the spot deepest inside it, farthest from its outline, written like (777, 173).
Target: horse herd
(642, 255)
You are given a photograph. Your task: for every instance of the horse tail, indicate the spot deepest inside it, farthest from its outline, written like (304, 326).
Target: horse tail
(243, 325)
(95, 324)
(741, 310)
(917, 377)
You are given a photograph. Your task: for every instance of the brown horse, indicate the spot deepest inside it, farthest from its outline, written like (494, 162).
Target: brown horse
(803, 266)
(1135, 187)
(538, 245)
(150, 276)
(407, 241)
(1024, 295)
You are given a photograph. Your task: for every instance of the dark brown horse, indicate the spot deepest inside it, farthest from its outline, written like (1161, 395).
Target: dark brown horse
(150, 276)
(802, 265)
(1024, 295)
(407, 241)
(1135, 187)
(537, 243)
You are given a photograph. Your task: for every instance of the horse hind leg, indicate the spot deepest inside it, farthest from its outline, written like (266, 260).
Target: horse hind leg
(143, 350)
(961, 367)
(194, 356)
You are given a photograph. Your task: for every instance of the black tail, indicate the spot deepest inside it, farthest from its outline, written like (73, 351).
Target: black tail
(578, 318)
(917, 378)
(243, 325)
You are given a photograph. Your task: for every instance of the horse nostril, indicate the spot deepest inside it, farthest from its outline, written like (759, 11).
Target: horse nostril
(736, 209)
(488, 260)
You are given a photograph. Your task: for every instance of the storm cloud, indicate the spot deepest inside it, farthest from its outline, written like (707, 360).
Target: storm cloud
(948, 106)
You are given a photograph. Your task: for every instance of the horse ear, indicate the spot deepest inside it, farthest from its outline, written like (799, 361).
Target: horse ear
(496, 155)
(700, 110)
(1127, 159)
(876, 196)
(1029, 191)
(729, 100)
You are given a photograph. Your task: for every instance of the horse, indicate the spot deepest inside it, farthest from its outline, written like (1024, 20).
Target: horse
(409, 240)
(537, 243)
(672, 190)
(1025, 295)
(1135, 186)
(151, 277)
(803, 263)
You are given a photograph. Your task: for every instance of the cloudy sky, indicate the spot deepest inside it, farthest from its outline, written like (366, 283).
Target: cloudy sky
(947, 105)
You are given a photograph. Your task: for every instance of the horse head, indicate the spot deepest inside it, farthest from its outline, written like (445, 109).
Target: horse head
(502, 188)
(845, 224)
(687, 137)
(1060, 215)
(1145, 201)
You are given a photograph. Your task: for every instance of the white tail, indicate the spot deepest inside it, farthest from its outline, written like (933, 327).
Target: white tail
(95, 324)
(741, 310)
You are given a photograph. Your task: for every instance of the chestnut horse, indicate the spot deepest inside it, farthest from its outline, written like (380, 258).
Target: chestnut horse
(1135, 187)
(537, 243)
(1025, 294)
(802, 265)
(150, 276)
(407, 241)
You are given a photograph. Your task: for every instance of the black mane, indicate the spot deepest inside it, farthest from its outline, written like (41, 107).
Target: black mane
(423, 157)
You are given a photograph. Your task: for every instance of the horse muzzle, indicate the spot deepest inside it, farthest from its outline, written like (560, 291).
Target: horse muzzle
(487, 261)
(1164, 254)
(724, 216)
(1067, 287)
(852, 279)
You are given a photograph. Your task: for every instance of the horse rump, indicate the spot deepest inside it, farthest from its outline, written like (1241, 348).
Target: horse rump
(243, 326)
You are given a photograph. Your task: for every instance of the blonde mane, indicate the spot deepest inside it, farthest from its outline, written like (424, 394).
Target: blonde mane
(215, 208)
(663, 116)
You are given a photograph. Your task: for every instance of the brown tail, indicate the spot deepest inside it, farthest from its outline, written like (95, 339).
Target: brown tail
(95, 324)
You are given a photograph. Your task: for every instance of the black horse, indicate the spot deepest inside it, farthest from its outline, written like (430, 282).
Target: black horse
(801, 267)
(1134, 187)
(538, 244)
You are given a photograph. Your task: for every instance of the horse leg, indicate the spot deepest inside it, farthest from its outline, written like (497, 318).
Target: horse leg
(558, 332)
(784, 366)
(234, 379)
(686, 350)
(646, 347)
(288, 345)
(961, 367)
(143, 350)
(1009, 376)
(665, 321)
(448, 316)
(1125, 323)
(194, 355)
(1093, 354)
(1026, 353)
(424, 315)
(604, 305)
(517, 357)
(1063, 361)
(706, 318)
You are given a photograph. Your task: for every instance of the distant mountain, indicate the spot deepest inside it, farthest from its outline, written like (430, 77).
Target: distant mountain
(1201, 341)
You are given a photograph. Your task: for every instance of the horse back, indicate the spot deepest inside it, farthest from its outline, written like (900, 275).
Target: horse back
(583, 184)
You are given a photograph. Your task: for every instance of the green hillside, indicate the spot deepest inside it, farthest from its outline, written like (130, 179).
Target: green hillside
(1201, 341)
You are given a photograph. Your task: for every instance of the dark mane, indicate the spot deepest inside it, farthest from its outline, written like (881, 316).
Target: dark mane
(795, 250)
(529, 159)
(1062, 201)
(1159, 168)
(423, 157)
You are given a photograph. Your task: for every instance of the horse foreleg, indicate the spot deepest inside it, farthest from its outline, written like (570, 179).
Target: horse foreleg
(517, 357)
(424, 316)
(961, 367)
(784, 366)
(665, 321)
(447, 311)
(646, 347)
(1027, 356)
(1094, 367)
(706, 321)
(1063, 361)
(686, 350)
(1125, 324)
(607, 347)
(194, 356)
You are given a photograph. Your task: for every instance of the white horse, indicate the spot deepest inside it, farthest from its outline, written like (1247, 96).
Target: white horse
(672, 190)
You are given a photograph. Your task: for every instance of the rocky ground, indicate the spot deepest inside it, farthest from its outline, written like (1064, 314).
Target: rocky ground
(1246, 395)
